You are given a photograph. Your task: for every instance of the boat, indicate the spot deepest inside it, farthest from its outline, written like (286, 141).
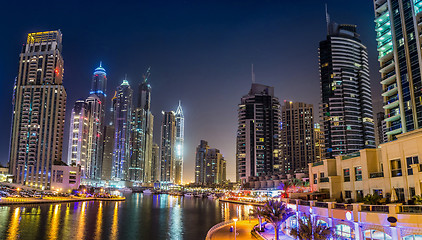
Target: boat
(199, 195)
(125, 190)
(148, 191)
(188, 194)
(212, 196)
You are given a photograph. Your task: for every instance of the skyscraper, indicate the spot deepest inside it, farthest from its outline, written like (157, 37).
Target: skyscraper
(96, 103)
(215, 167)
(155, 163)
(78, 136)
(122, 121)
(319, 143)
(142, 135)
(39, 110)
(258, 143)
(297, 136)
(167, 153)
(346, 120)
(108, 144)
(180, 132)
(398, 37)
(200, 162)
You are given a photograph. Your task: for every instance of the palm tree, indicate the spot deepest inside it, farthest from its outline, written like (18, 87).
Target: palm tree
(276, 212)
(259, 213)
(311, 229)
(418, 199)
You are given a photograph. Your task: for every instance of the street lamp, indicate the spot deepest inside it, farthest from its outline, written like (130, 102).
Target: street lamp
(235, 231)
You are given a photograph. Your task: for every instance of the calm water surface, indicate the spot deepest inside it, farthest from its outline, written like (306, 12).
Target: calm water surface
(139, 217)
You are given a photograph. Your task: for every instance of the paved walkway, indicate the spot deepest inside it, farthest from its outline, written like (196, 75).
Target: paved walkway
(244, 232)
(243, 228)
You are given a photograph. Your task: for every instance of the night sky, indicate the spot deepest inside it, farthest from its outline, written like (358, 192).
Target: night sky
(199, 51)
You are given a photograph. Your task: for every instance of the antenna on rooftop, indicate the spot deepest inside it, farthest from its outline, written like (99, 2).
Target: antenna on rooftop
(253, 75)
(327, 18)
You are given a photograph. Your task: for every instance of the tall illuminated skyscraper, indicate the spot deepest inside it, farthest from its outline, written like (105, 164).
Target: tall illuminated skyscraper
(39, 110)
(122, 124)
(78, 136)
(297, 136)
(258, 142)
(140, 168)
(346, 120)
(96, 103)
(180, 132)
(399, 47)
(167, 144)
(155, 163)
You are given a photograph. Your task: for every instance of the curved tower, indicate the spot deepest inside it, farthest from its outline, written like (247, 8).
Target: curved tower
(347, 119)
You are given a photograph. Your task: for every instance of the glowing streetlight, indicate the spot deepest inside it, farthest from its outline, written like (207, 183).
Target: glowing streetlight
(235, 232)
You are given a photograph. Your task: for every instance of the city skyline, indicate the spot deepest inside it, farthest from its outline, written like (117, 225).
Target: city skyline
(276, 71)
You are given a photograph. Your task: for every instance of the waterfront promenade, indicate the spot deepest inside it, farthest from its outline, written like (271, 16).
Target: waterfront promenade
(244, 229)
(21, 200)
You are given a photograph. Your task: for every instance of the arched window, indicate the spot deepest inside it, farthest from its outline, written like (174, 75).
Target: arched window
(322, 223)
(375, 234)
(293, 221)
(345, 231)
(413, 237)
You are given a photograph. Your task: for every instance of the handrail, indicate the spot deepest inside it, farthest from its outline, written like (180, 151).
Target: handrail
(217, 226)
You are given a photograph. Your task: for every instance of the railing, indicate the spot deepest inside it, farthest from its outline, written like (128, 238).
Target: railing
(391, 87)
(215, 227)
(411, 209)
(349, 207)
(321, 204)
(317, 163)
(376, 175)
(375, 208)
(351, 155)
(305, 203)
(324, 179)
(292, 201)
(339, 206)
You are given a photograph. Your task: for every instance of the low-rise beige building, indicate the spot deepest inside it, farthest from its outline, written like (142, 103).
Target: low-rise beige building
(393, 165)
(65, 178)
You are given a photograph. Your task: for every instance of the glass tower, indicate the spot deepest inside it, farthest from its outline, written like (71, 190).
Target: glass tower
(397, 24)
(180, 132)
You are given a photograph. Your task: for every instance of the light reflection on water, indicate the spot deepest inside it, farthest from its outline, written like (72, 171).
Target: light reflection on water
(139, 217)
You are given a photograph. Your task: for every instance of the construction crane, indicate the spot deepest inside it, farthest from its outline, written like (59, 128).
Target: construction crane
(147, 74)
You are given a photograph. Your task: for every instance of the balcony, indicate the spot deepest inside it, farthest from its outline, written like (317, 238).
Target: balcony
(376, 175)
(394, 102)
(388, 66)
(324, 179)
(389, 78)
(411, 209)
(375, 208)
(390, 90)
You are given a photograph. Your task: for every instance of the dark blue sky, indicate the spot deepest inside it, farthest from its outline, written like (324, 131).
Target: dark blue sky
(199, 51)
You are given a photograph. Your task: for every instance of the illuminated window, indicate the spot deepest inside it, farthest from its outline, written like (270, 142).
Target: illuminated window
(375, 234)
(345, 231)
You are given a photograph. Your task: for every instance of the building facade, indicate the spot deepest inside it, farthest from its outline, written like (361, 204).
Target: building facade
(215, 167)
(258, 141)
(78, 137)
(399, 47)
(179, 148)
(393, 166)
(122, 126)
(319, 142)
(347, 118)
(298, 143)
(39, 110)
(65, 178)
(380, 127)
(200, 162)
(167, 148)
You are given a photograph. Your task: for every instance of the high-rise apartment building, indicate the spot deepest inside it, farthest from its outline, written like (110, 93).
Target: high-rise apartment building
(346, 120)
(380, 127)
(200, 162)
(142, 136)
(108, 145)
(155, 163)
(122, 126)
(298, 143)
(180, 132)
(258, 148)
(215, 169)
(39, 110)
(399, 47)
(96, 103)
(167, 146)
(78, 136)
(319, 143)
(210, 166)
